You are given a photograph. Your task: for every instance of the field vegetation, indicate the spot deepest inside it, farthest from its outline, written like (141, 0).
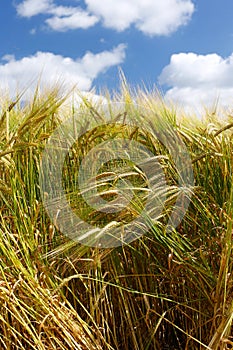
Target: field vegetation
(165, 290)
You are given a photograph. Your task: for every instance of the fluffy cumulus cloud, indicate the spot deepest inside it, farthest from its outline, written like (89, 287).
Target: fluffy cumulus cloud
(198, 81)
(29, 8)
(152, 17)
(61, 18)
(52, 69)
(75, 20)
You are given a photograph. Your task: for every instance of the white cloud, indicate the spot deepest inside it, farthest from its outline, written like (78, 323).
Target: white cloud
(197, 81)
(33, 31)
(118, 15)
(73, 20)
(61, 18)
(152, 17)
(51, 68)
(29, 8)
(8, 58)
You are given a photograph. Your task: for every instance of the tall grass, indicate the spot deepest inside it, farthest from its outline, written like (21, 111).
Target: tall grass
(162, 291)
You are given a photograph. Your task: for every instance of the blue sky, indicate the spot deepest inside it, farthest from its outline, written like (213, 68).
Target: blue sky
(183, 46)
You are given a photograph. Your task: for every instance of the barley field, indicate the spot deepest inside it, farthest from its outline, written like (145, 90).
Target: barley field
(167, 289)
